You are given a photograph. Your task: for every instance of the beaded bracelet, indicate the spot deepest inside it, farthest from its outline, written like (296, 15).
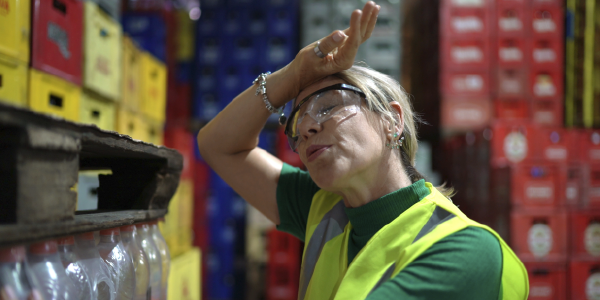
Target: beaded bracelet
(262, 89)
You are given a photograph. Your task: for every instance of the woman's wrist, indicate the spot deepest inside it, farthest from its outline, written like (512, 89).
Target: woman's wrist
(282, 86)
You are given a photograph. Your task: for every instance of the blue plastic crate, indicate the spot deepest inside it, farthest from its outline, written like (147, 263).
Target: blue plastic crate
(280, 51)
(234, 22)
(231, 82)
(257, 22)
(149, 31)
(245, 50)
(209, 50)
(268, 140)
(283, 22)
(206, 105)
(291, 4)
(206, 78)
(210, 22)
(184, 72)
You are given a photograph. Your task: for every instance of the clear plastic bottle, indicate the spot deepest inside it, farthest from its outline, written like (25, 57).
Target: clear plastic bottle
(98, 273)
(46, 266)
(146, 242)
(140, 262)
(119, 263)
(70, 261)
(16, 281)
(165, 257)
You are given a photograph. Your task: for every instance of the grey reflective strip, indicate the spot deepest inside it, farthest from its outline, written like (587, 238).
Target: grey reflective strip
(438, 217)
(384, 277)
(332, 225)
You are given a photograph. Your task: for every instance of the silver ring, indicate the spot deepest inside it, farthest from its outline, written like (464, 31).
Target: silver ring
(318, 51)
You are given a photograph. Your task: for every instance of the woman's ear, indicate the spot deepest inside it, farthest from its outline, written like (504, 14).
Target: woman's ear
(398, 116)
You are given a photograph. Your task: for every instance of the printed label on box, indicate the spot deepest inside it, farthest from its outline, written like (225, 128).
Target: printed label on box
(544, 25)
(592, 287)
(60, 37)
(510, 54)
(592, 239)
(544, 55)
(539, 192)
(515, 146)
(510, 24)
(556, 153)
(540, 240)
(467, 54)
(467, 24)
(467, 83)
(544, 87)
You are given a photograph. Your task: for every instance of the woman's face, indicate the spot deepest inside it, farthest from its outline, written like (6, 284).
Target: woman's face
(337, 152)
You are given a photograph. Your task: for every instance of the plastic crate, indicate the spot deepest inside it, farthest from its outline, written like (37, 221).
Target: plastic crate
(588, 145)
(209, 50)
(536, 185)
(546, 52)
(465, 22)
(13, 81)
(539, 235)
(280, 51)
(466, 83)
(111, 7)
(16, 23)
(153, 85)
(102, 52)
(98, 111)
(511, 52)
(511, 109)
(53, 95)
(466, 53)
(129, 123)
(592, 193)
(130, 85)
(179, 138)
(548, 113)
(184, 278)
(282, 21)
(512, 143)
(546, 83)
(546, 21)
(584, 279)
(511, 82)
(149, 30)
(466, 113)
(185, 36)
(547, 280)
(556, 144)
(585, 234)
(511, 19)
(57, 38)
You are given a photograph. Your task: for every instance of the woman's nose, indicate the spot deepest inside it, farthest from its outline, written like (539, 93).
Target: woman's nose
(308, 127)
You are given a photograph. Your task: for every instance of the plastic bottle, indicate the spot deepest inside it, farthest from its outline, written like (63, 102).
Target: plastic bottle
(165, 257)
(146, 242)
(16, 281)
(140, 262)
(89, 259)
(46, 266)
(119, 263)
(70, 261)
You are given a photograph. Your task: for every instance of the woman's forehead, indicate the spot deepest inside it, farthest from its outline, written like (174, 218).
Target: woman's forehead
(325, 82)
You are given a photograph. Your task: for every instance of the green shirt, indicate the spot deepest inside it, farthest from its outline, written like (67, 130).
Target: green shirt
(463, 265)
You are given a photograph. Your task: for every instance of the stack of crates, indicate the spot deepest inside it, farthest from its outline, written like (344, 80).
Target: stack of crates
(235, 42)
(14, 52)
(382, 51)
(283, 270)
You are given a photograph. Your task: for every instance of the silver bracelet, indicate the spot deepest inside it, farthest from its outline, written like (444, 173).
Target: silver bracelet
(262, 89)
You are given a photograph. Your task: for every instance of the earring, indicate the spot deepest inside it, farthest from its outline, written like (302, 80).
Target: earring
(395, 144)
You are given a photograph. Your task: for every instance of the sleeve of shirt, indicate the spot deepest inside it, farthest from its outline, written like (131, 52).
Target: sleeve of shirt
(463, 265)
(295, 191)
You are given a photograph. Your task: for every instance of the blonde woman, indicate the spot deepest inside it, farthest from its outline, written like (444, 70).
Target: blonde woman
(372, 227)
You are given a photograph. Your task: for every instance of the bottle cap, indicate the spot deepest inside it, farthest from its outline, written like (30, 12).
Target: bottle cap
(12, 254)
(45, 247)
(89, 236)
(127, 228)
(112, 231)
(68, 240)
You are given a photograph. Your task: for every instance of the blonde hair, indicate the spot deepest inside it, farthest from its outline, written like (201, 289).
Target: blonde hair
(380, 90)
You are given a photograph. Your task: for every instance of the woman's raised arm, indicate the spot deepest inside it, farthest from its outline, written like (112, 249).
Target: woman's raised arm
(228, 143)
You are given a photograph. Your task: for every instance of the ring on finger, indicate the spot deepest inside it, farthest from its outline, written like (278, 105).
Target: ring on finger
(318, 51)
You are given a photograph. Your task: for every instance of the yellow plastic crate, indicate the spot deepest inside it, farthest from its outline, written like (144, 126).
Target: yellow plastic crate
(13, 81)
(53, 95)
(97, 110)
(130, 123)
(130, 84)
(153, 132)
(102, 52)
(153, 87)
(16, 27)
(171, 225)
(186, 204)
(185, 36)
(184, 277)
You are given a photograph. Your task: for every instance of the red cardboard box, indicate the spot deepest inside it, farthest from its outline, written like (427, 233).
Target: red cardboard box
(546, 21)
(511, 82)
(466, 83)
(547, 280)
(546, 52)
(539, 235)
(585, 234)
(465, 22)
(57, 38)
(512, 143)
(511, 19)
(459, 54)
(511, 52)
(536, 185)
(547, 113)
(466, 113)
(511, 109)
(546, 83)
(584, 280)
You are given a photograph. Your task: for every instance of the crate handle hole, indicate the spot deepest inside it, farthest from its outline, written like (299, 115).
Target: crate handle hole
(0, 80)
(56, 101)
(95, 114)
(131, 127)
(103, 32)
(60, 6)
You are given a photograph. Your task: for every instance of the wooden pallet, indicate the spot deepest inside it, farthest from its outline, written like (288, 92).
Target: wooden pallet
(40, 158)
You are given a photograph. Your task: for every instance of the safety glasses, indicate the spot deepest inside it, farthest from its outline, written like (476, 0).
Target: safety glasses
(338, 101)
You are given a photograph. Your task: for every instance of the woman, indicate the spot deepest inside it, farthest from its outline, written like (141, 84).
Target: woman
(372, 227)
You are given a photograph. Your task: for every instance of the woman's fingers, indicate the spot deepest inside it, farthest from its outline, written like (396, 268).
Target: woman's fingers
(368, 10)
(372, 21)
(329, 43)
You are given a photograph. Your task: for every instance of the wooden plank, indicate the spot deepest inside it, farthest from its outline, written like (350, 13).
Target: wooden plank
(28, 233)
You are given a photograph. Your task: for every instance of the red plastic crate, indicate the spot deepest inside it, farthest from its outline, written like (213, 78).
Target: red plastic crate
(547, 281)
(585, 234)
(546, 83)
(466, 113)
(547, 113)
(589, 146)
(511, 19)
(511, 82)
(521, 3)
(546, 52)
(574, 184)
(179, 103)
(465, 53)
(556, 144)
(285, 153)
(283, 266)
(546, 21)
(57, 38)
(512, 143)
(536, 185)
(539, 235)
(466, 83)
(545, 3)
(584, 280)
(511, 52)
(465, 22)
(591, 197)
(179, 138)
(480, 4)
(511, 109)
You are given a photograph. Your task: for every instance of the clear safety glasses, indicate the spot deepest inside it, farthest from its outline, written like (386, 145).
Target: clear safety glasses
(338, 101)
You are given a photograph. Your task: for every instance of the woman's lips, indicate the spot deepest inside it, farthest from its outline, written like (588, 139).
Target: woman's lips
(314, 151)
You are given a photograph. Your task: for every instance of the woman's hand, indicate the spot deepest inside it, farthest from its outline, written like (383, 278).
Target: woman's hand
(341, 46)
